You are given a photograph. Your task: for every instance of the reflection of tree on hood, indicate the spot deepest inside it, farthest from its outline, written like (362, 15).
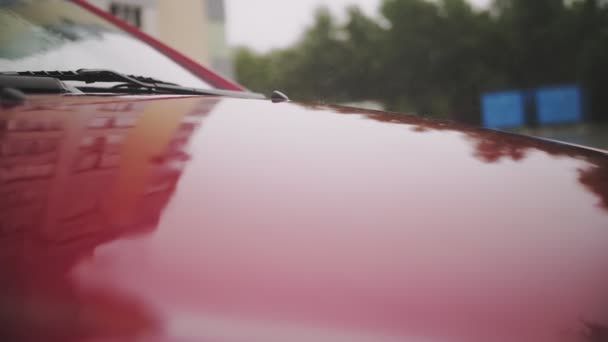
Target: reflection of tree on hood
(594, 177)
(596, 180)
(493, 146)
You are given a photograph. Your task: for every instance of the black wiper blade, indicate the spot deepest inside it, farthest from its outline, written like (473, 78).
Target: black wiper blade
(131, 82)
(93, 76)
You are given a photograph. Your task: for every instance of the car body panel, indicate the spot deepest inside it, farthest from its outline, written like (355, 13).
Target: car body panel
(218, 219)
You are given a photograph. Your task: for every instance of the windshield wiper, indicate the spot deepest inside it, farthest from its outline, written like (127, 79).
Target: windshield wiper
(128, 83)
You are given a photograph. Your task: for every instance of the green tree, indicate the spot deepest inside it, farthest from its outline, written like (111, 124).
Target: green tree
(439, 56)
(254, 70)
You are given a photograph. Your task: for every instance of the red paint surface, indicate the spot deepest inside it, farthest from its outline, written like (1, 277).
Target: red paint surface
(197, 69)
(206, 219)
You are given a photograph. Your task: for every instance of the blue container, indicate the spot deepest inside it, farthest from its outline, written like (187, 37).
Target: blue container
(559, 105)
(503, 109)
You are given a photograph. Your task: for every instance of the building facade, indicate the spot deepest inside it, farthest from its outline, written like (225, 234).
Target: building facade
(194, 27)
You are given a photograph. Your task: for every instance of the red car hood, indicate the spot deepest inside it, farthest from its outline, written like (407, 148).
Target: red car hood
(207, 219)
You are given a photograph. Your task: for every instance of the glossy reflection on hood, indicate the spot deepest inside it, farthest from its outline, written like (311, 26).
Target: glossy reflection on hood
(492, 147)
(75, 174)
(247, 220)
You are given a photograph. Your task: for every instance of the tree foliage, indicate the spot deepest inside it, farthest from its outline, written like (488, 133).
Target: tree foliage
(439, 56)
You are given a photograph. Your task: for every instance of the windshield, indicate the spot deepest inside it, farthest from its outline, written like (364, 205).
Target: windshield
(60, 35)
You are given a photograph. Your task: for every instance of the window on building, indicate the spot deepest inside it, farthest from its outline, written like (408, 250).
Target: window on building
(128, 13)
(216, 10)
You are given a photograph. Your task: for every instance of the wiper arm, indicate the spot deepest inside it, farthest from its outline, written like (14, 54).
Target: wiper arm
(130, 81)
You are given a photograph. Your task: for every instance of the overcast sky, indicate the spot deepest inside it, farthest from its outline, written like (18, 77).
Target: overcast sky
(267, 24)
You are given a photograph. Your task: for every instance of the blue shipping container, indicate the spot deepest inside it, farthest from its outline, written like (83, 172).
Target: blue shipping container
(559, 105)
(503, 109)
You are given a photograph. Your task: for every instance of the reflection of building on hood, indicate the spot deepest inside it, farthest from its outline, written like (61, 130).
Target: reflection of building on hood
(90, 206)
(106, 172)
(147, 171)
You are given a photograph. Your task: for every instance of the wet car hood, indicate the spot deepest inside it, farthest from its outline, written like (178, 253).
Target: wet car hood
(214, 219)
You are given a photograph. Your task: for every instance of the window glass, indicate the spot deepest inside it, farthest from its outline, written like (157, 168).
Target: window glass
(60, 35)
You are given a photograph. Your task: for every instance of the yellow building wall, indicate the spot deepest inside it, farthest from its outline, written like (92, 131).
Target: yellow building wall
(184, 26)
